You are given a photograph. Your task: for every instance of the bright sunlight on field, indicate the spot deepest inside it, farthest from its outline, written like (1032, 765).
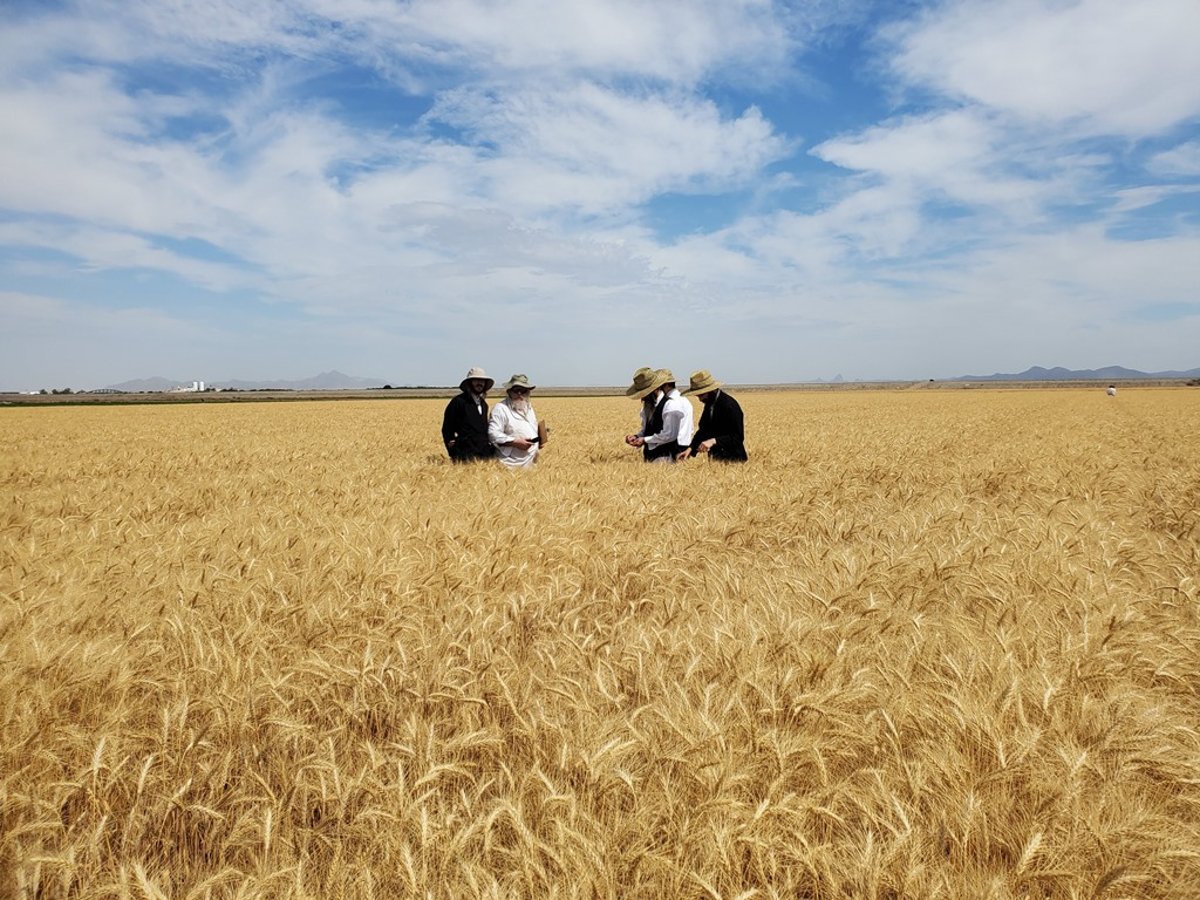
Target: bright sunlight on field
(925, 644)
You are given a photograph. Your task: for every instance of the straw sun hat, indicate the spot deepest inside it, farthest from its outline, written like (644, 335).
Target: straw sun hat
(703, 382)
(474, 373)
(646, 380)
(521, 381)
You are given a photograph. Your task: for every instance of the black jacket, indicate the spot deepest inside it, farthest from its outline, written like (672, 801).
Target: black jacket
(722, 419)
(464, 424)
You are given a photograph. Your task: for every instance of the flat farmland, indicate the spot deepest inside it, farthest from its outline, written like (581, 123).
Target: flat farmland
(924, 644)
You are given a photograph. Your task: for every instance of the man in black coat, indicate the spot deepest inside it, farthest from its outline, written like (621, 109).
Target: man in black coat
(721, 432)
(465, 422)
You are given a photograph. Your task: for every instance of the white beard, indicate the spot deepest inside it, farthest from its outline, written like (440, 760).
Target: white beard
(519, 405)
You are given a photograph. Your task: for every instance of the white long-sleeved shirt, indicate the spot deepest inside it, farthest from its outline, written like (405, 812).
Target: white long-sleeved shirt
(679, 422)
(504, 425)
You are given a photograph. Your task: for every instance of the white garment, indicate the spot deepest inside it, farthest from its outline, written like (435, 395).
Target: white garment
(504, 425)
(679, 422)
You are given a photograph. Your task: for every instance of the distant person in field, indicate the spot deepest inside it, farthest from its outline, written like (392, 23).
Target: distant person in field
(513, 426)
(465, 422)
(1112, 390)
(721, 432)
(667, 429)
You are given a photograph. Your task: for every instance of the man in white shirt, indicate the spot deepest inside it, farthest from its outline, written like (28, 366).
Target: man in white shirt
(513, 425)
(678, 423)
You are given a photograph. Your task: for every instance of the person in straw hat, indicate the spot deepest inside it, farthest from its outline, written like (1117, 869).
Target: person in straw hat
(513, 426)
(647, 388)
(667, 429)
(465, 421)
(721, 432)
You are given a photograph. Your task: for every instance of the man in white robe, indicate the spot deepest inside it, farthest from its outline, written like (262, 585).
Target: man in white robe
(513, 425)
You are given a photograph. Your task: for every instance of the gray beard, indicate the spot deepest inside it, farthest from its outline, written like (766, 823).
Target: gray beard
(519, 406)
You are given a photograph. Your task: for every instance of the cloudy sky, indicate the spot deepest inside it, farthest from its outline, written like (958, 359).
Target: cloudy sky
(215, 189)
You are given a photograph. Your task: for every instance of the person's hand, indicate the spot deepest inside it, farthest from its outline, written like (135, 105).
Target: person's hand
(520, 443)
(705, 446)
(684, 454)
(637, 441)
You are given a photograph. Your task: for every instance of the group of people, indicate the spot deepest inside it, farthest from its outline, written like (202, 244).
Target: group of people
(512, 433)
(669, 432)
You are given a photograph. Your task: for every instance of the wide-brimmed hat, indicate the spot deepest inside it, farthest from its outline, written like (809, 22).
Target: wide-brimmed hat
(641, 381)
(645, 380)
(474, 373)
(703, 382)
(519, 381)
(665, 376)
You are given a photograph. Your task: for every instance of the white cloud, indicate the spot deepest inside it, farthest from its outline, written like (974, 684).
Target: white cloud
(326, 215)
(269, 170)
(99, 249)
(597, 150)
(1112, 275)
(220, 35)
(1101, 66)
(954, 157)
(926, 148)
(673, 40)
(1130, 199)
(77, 145)
(1183, 159)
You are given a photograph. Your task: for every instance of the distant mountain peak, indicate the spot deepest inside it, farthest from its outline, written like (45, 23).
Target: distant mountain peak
(140, 385)
(1058, 373)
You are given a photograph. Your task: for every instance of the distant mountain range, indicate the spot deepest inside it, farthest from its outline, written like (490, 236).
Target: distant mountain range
(1058, 373)
(326, 381)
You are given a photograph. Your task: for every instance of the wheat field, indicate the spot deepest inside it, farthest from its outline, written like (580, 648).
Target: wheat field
(925, 644)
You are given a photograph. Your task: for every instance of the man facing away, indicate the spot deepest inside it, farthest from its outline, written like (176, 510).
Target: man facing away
(721, 433)
(465, 422)
(513, 426)
(668, 431)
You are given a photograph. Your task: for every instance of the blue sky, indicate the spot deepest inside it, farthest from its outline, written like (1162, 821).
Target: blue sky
(576, 188)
